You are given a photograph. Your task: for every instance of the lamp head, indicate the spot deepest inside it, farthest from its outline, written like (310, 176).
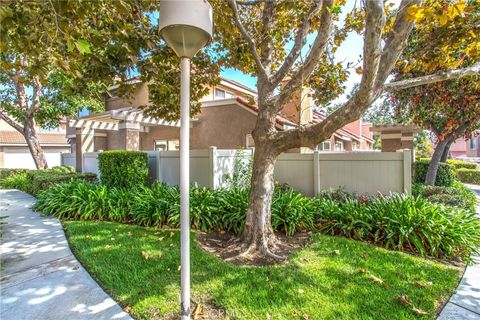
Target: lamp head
(185, 25)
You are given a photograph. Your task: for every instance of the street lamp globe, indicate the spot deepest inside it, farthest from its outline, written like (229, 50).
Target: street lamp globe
(186, 25)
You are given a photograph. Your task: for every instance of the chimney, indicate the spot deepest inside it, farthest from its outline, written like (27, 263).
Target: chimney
(299, 108)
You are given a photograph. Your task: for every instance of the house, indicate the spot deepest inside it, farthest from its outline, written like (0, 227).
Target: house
(226, 121)
(14, 152)
(466, 148)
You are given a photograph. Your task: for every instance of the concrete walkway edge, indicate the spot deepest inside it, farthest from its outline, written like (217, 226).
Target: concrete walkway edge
(464, 304)
(40, 277)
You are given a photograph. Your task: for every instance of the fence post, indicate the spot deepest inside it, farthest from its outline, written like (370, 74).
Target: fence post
(159, 166)
(407, 171)
(212, 167)
(316, 173)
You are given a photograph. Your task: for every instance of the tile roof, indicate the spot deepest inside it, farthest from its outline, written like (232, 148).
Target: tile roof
(16, 138)
(280, 120)
(319, 117)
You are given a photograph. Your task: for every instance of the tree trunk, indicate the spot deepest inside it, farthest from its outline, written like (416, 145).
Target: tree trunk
(434, 163)
(33, 143)
(258, 235)
(446, 151)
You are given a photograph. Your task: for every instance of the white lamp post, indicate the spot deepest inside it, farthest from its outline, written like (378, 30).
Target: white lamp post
(186, 26)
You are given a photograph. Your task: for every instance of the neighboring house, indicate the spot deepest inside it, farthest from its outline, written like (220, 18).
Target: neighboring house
(466, 148)
(226, 121)
(14, 152)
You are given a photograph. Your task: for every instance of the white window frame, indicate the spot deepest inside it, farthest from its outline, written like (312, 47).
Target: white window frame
(168, 143)
(337, 143)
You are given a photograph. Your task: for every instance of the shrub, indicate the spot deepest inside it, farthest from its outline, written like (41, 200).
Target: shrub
(445, 173)
(123, 169)
(5, 173)
(404, 223)
(337, 194)
(397, 221)
(292, 211)
(456, 195)
(458, 164)
(36, 181)
(152, 206)
(15, 180)
(469, 175)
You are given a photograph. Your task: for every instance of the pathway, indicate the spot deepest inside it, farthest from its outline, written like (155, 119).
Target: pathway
(40, 277)
(465, 303)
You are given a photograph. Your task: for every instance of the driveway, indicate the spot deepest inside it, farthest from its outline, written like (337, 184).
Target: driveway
(40, 277)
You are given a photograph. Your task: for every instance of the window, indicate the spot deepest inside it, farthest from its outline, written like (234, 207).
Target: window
(219, 93)
(355, 146)
(166, 145)
(222, 94)
(339, 146)
(473, 143)
(249, 141)
(49, 130)
(324, 146)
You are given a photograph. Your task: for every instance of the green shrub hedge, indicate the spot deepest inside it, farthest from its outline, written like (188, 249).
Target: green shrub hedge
(36, 181)
(397, 222)
(5, 173)
(458, 164)
(445, 173)
(469, 175)
(457, 195)
(123, 169)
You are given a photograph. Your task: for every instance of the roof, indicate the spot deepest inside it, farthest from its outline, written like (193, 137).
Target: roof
(238, 84)
(341, 133)
(14, 138)
(280, 120)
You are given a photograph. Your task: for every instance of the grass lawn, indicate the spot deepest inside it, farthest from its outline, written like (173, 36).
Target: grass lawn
(333, 278)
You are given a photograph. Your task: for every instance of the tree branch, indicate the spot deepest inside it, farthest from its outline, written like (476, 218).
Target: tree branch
(396, 41)
(37, 87)
(266, 45)
(251, 44)
(299, 42)
(432, 78)
(313, 58)
(312, 135)
(10, 121)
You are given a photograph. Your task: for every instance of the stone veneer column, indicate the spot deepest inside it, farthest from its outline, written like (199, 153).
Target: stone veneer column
(129, 134)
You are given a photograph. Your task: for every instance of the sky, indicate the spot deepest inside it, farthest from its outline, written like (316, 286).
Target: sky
(349, 51)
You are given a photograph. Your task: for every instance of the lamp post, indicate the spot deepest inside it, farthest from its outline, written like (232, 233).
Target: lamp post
(186, 26)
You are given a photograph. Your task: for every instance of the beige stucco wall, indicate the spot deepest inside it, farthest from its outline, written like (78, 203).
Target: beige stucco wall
(138, 98)
(223, 127)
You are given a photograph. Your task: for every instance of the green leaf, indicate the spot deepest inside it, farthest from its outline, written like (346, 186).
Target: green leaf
(83, 46)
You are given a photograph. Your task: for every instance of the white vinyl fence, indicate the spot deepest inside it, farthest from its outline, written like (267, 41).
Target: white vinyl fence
(360, 172)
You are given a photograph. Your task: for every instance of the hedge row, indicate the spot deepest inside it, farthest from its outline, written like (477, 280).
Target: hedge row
(457, 195)
(469, 175)
(397, 222)
(36, 181)
(123, 169)
(445, 173)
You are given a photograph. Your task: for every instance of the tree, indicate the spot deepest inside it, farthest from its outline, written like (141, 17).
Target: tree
(253, 36)
(450, 109)
(60, 56)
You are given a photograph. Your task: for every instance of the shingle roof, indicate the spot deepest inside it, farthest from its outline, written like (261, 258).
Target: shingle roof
(16, 138)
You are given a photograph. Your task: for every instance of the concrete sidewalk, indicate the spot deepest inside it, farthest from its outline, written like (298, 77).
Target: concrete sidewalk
(40, 277)
(465, 303)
